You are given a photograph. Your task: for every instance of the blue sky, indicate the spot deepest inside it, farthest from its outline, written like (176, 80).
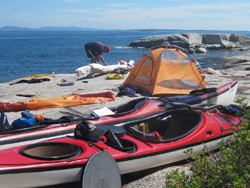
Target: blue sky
(129, 14)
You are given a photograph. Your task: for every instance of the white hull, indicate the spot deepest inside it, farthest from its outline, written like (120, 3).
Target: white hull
(225, 98)
(39, 179)
(163, 159)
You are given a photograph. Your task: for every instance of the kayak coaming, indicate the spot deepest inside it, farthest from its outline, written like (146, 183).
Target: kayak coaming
(151, 107)
(147, 154)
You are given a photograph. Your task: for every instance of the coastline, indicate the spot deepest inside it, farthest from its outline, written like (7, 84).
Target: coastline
(236, 68)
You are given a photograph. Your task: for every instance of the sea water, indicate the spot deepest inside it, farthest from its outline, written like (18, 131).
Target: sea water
(27, 53)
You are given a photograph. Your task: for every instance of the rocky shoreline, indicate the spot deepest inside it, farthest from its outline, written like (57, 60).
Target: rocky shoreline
(236, 68)
(225, 62)
(197, 43)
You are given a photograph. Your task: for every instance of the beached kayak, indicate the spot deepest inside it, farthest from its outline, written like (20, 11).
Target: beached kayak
(134, 110)
(99, 154)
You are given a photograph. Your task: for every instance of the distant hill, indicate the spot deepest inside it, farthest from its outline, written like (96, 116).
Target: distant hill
(66, 29)
(13, 28)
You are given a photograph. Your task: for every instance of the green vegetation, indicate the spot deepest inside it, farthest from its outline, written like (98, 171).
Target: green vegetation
(228, 168)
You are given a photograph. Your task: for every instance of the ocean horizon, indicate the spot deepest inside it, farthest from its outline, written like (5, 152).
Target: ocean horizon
(27, 53)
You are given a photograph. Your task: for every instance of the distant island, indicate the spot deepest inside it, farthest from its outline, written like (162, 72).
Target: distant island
(13, 28)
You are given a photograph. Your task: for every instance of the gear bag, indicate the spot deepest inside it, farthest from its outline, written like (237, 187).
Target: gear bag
(4, 124)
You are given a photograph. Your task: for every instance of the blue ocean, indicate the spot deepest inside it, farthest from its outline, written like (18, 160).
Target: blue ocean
(27, 53)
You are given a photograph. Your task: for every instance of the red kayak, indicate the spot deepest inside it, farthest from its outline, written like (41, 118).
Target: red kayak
(99, 154)
(134, 110)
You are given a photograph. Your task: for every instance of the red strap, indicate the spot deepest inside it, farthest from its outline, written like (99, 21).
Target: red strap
(104, 138)
(157, 135)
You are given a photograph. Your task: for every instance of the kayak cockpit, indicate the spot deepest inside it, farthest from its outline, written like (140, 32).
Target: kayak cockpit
(51, 150)
(130, 106)
(170, 126)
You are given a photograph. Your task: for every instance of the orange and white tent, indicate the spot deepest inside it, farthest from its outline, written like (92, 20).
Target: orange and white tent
(165, 72)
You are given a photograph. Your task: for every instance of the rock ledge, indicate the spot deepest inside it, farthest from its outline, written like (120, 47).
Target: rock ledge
(195, 42)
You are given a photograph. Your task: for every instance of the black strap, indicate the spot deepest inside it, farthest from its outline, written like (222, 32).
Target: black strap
(91, 143)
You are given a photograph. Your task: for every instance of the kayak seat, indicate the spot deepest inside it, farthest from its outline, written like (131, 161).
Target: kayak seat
(146, 130)
(167, 127)
(130, 106)
(183, 125)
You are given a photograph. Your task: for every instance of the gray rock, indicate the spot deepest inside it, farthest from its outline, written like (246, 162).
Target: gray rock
(213, 46)
(237, 38)
(177, 37)
(233, 42)
(149, 42)
(180, 43)
(191, 50)
(243, 48)
(212, 38)
(193, 38)
(246, 42)
(225, 36)
(225, 44)
(201, 50)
